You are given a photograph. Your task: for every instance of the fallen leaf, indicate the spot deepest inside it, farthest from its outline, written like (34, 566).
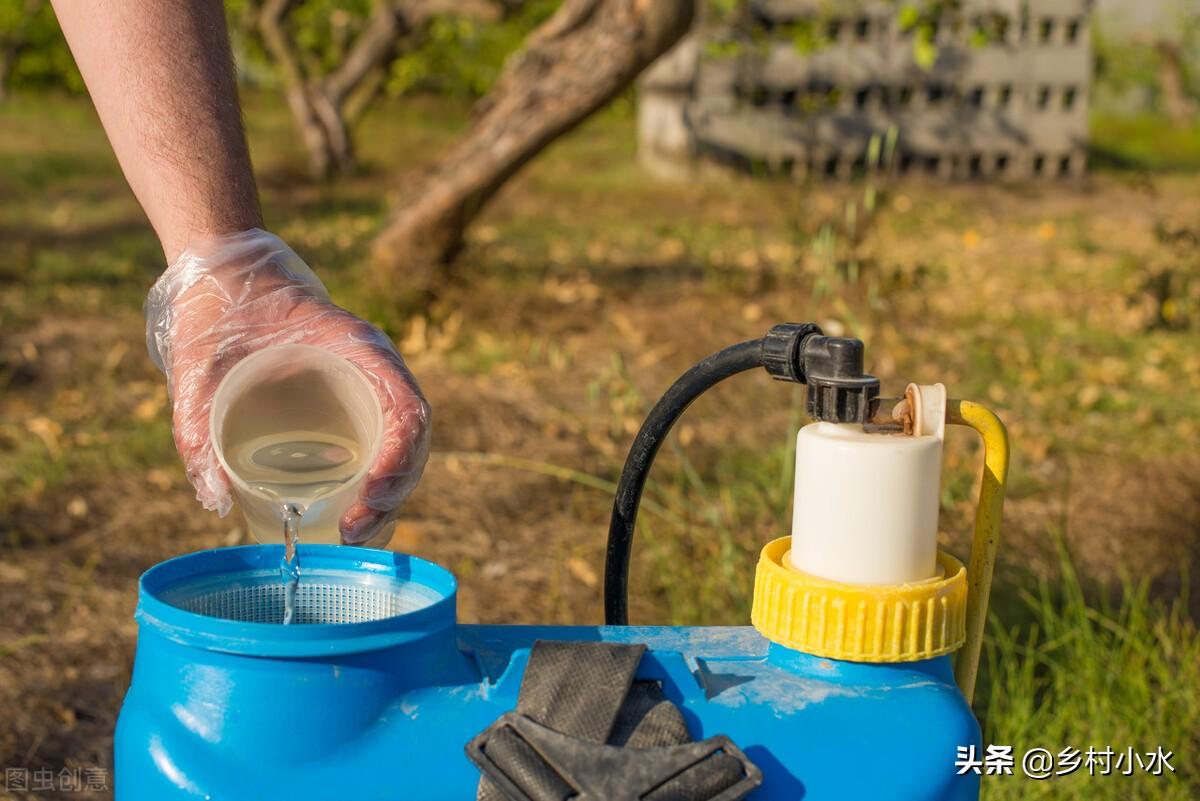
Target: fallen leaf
(671, 249)
(147, 409)
(406, 537)
(1089, 396)
(159, 479)
(493, 570)
(416, 341)
(11, 574)
(687, 434)
(582, 571)
(47, 430)
(114, 356)
(77, 507)
(626, 327)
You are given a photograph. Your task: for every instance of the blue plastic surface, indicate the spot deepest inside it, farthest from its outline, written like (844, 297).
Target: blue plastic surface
(224, 710)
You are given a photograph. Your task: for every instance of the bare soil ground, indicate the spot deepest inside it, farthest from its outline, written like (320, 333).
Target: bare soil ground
(585, 291)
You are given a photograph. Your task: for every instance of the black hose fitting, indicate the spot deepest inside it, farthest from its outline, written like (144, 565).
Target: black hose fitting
(838, 391)
(782, 348)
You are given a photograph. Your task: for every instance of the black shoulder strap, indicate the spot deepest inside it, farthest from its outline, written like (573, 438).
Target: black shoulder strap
(584, 730)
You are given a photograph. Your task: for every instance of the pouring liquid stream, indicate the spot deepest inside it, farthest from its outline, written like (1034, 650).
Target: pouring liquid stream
(296, 469)
(289, 568)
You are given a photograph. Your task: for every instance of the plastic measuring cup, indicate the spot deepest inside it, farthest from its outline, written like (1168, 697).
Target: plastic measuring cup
(284, 389)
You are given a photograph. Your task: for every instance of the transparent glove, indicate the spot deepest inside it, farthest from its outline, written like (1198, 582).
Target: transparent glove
(231, 296)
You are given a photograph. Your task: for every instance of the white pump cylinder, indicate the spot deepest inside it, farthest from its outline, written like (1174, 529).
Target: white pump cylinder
(866, 504)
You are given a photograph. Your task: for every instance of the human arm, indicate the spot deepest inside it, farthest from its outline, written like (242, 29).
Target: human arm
(161, 76)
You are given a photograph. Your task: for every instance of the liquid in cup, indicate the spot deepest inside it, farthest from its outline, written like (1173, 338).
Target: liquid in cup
(295, 427)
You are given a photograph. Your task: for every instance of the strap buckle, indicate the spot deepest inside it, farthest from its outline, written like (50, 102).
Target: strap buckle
(605, 772)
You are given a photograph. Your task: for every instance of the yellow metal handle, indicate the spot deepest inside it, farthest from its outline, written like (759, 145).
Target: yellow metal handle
(986, 540)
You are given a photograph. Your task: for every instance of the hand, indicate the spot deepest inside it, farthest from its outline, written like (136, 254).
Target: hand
(237, 294)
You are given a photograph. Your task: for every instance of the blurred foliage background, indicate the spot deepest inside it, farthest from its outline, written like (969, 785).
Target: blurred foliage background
(460, 57)
(1071, 308)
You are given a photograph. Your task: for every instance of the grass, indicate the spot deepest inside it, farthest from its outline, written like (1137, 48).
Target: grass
(585, 290)
(1081, 673)
(1064, 666)
(1144, 142)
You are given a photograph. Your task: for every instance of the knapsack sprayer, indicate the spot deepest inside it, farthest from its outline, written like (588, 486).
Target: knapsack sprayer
(854, 681)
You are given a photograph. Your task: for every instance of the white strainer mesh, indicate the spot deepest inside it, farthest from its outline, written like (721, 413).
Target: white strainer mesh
(322, 598)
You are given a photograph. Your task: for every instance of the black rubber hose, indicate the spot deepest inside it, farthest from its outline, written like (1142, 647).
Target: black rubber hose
(691, 385)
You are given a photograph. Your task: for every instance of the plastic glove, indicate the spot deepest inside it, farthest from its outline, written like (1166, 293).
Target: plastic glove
(233, 295)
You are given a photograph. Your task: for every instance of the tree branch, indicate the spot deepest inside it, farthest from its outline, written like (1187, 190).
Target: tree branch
(270, 22)
(374, 45)
(324, 105)
(580, 58)
(300, 100)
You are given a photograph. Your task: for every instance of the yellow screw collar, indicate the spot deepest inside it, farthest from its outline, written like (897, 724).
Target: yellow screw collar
(859, 623)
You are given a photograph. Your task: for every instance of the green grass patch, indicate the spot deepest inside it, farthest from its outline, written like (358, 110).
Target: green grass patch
(1065, 665)
(1144, 142)
(1085, 671)
(1034, 312)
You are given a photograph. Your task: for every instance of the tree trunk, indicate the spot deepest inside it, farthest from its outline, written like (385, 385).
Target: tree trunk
(15, 43)
(1179, 107)
(324, 107)
(317, 104)
(8, 58)
(575, 63)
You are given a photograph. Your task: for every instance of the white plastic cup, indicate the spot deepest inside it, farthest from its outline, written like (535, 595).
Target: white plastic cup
(285, 388)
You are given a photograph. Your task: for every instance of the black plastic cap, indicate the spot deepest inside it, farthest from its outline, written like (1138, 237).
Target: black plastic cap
(838, 389)
(781, 350)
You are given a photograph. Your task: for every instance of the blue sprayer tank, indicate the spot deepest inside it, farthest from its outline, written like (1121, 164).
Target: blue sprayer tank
(381, 710)
(852, 683)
